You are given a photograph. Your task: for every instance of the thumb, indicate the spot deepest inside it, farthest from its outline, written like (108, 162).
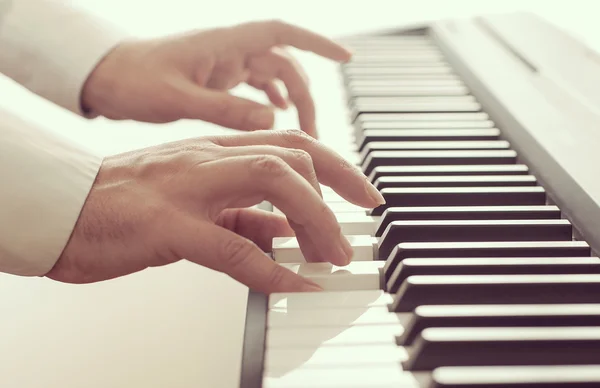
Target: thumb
(222, 108)
(222, 250)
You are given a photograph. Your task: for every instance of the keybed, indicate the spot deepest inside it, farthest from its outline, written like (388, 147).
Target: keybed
(468, 276)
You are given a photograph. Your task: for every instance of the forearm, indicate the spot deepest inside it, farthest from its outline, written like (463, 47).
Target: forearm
(45, 180)
(50, 47)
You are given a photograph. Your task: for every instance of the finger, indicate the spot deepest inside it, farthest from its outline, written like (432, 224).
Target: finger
(297, 65)
(299, 160)
(258, 226)
(331, 169)
(222, 250)
(227, 75)
(274, 65)
(260, 36)
(271, 90)
(222, 108)
(244, 181)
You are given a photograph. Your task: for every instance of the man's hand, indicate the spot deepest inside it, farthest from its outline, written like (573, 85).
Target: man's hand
(190, 199)
(188, 76)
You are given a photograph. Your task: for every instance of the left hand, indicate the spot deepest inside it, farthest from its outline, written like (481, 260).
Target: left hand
(188, 76)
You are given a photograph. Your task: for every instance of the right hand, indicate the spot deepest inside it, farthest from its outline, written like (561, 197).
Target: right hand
(190, 200)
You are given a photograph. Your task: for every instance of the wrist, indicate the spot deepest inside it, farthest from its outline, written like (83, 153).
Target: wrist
(101, 85)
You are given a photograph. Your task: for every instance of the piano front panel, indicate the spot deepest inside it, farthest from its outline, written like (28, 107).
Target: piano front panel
(468, 276)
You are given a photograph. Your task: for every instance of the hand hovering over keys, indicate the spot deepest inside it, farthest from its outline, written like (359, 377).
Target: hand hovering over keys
(191, 200)
(188, 76)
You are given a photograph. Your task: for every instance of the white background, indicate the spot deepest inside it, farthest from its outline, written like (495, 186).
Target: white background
(181, 326)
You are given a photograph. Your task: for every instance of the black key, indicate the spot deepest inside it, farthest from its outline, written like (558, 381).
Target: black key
(432, 145)
(395, 117)
(498, 316)
(383, 135)
(483, 249)
(472, 231)
(555, 376)
(491, 266)
(466, 213)
(421, 124)
(496, 289)
(429, 157)
(461, 196)
(456, 170)
(455, 181)
(491, 346)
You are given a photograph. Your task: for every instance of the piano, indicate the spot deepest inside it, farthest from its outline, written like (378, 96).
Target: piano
(481, 270)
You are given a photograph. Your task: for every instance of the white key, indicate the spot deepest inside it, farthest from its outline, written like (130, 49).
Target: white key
(287, 249)
(357, 223)
(359, 275)
(279, 360)
(383, 376)
(332, 196)
(353, 316)
(303, 337)
(326, 189)
(329, 299)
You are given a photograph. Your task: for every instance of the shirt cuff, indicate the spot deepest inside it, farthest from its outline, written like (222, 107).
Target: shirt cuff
(45, 182)
(52, 47)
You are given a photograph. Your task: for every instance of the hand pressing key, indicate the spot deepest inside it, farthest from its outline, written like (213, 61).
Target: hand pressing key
(191, 200)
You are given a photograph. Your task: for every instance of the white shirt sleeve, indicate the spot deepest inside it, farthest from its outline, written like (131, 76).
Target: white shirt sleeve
(50, 48)
(45, 180)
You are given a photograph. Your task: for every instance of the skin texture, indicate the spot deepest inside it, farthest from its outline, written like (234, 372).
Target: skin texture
(189, 200)
(188, 76)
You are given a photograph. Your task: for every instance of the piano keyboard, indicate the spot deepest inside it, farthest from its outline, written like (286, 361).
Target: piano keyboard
(469, 276)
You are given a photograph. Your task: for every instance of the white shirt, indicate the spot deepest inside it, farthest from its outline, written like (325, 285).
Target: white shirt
(50, 48)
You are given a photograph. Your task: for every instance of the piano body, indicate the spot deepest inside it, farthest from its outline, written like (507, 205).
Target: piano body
(483, 135)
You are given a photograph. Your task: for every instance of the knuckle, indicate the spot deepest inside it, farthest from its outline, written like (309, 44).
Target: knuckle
(270, 165)
(303, 163)
(302, 157)
(236, 252)
(297, 138)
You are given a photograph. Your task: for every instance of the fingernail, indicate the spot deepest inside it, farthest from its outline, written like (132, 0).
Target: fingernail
(262, 118)
(311, 287)
(374, 193)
